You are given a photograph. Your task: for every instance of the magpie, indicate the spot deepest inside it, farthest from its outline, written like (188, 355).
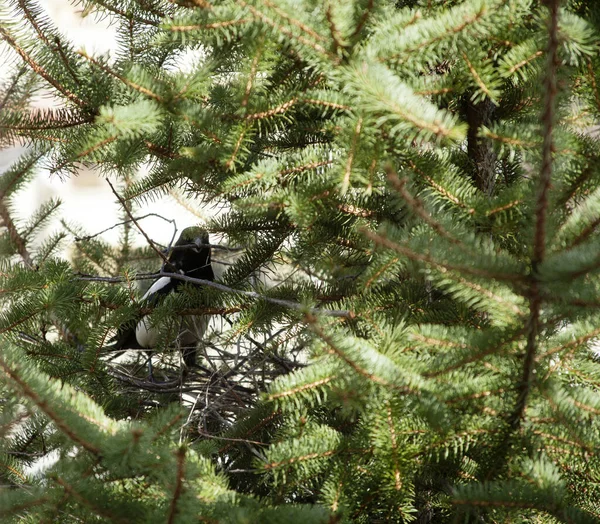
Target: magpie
(191, 257)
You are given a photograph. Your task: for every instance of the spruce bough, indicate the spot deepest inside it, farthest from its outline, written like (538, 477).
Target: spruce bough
(419, 179)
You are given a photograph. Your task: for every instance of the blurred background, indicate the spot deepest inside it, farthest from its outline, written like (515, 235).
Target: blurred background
(86, 198)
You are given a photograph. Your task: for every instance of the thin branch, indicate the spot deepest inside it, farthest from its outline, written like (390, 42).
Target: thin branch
(539, 242)
(288, 32)
(348, 172)
(12, 87)
(162, 256)
(86, 152)
(297, 306)
(314, 325)
(133, 85)
(38, 69)
(178, 485)
(14, 235)
(363, 19)
(417, 206)
(382, 240)
(128, 221)
(45, 407)
(252, 74)
(334, 31)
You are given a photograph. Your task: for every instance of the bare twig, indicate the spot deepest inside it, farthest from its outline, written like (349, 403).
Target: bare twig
(90, 237)
(133, 219)
(341, 313)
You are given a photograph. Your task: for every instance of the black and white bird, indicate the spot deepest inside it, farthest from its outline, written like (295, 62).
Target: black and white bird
(191, 257)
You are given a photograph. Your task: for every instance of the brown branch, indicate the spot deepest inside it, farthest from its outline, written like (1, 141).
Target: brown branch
(382, 240)
(592, 77)
(453, 198)
(363, 19)
(305, 167)
(518, 66)
(390, 421)
(333, 30)
(302, 458)
(573, 344)
(452, 31)
(200, 27)
(503, 208)
(12, 87)
(254, 429)
(325, 103)
(33, 22)
(417, 206)
(584, 235)
(236, 148)
(271, 112)
(86, 502)
(84, 153)
(312, 321)
(203, 4)
(130, 16)
(20, 173)
(133, 85)
(45, 126)
(230, 439)
(178, 485)
(14, 235)
(45, 407)
(39, 70)
(65, 60)
(303, 27)
(476, 76)
(285, 30)
(251, 76)
(297, 306)
(57, 43)
(348, 172)
(161, 255)
(539, 242)
(299, 389)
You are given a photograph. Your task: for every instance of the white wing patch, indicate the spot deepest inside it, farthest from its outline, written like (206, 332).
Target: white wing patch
(145, 333)
(157, 286)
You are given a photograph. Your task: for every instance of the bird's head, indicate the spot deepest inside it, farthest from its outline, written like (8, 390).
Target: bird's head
(193, 235)
(193, 255)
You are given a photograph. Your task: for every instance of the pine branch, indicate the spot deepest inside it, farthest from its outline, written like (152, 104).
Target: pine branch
(417, 206)
(12, 87)
(43, 405)
(288, 32)
(98, 510)
(141, 89)
(382, 240)
(539, 243)
(14, 235)
(38, 69)
(178, 485)
(297, 306)
(160, 254)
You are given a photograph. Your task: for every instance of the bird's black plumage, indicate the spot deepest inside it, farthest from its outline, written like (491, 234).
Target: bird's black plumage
(191, 256)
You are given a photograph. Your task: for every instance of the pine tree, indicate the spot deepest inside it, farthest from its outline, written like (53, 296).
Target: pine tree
(417, 179)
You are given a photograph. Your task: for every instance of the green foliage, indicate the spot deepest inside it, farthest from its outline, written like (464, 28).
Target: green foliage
(409, 332)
